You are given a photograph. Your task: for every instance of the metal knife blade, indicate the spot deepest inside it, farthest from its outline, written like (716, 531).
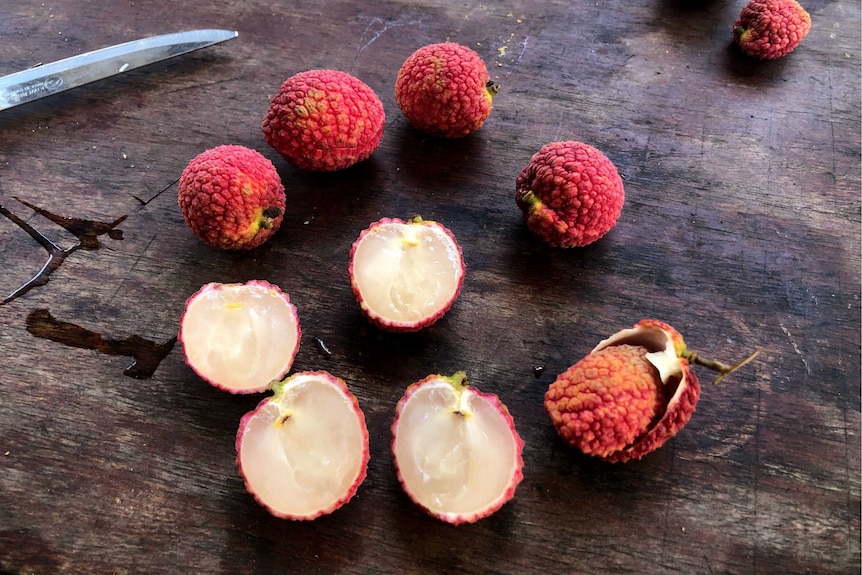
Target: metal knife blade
(48, 79)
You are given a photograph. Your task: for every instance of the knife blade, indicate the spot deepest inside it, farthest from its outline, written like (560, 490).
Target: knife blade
(49, 79)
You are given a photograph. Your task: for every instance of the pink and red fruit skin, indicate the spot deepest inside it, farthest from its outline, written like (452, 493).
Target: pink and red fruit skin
(324, 120)
(769, 29)
(231, 197)
(444, 90)
(570, 194)
(604, 402)
(675, 403)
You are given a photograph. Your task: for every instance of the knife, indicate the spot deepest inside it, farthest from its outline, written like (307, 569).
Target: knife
(48, 79)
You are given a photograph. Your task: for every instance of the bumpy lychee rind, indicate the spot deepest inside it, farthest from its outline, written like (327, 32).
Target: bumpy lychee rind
(324, 120)
(570, 194)
(660, 355)
(231, 197)
(769, 29)
(444, 90)
(362, 471)
(388, 324)
(459, 382)
(606, 401)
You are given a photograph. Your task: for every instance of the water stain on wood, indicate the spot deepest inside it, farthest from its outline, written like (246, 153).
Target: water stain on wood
(147, 354)
(87, 233)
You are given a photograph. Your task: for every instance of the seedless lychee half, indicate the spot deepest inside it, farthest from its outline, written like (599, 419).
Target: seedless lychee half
(456, 450)
(304, 451)
(406, 274)
(570, 194)
(240, 337)
(632, 393)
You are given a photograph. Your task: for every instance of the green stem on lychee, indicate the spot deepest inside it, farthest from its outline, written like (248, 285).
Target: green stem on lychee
(458, 381)
(722, 368)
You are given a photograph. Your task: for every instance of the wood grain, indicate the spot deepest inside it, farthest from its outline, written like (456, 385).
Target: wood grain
(741, 228)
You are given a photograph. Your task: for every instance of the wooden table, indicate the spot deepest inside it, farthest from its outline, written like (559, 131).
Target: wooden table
(741, 228)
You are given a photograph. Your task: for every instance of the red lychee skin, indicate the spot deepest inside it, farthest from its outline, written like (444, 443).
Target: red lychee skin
(605, 401)
(769, 29)
(570, 193)
(599, 404)
(231, 197)
(517, 477)
(324, 120)
(395, 326)
(444, 90)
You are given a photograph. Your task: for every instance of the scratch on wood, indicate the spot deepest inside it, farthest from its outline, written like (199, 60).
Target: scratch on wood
(796, 348)
(375, 28)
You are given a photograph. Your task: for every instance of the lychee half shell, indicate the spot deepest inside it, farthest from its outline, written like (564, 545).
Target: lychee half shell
(406, 274)
(303, 452)
(456, 450)
(240, 337)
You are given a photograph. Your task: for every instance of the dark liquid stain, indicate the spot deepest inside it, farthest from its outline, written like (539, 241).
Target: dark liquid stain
(321, 347)
(86, 231)
(147, 354)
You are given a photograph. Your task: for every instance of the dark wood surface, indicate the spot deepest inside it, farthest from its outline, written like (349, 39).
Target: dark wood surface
(741, 228)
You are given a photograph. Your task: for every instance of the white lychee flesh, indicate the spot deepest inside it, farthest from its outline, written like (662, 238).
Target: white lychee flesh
(456, 450)
(406, 275)
(304, 451)
(240, 337)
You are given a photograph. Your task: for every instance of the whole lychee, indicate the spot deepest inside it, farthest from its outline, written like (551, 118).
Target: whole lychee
(445, 90)
(570, 193)
(324, 120)
(770, 29)
(631, 394)
(231, 197)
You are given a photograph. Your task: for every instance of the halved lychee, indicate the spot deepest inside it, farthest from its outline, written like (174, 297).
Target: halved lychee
(240, 337)
(406, 274)
(456, 450)
(304, 451)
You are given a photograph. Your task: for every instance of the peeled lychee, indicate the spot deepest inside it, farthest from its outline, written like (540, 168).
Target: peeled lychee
(231, 197)
(570, 193)
(304, 451)
(456, 450)
(768, 29)
(445, 90)
(240, 337)
(405, 274)
(324, 120)
(631, 394)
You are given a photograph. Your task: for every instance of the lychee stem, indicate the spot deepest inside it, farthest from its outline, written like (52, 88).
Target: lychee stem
(722, 368)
